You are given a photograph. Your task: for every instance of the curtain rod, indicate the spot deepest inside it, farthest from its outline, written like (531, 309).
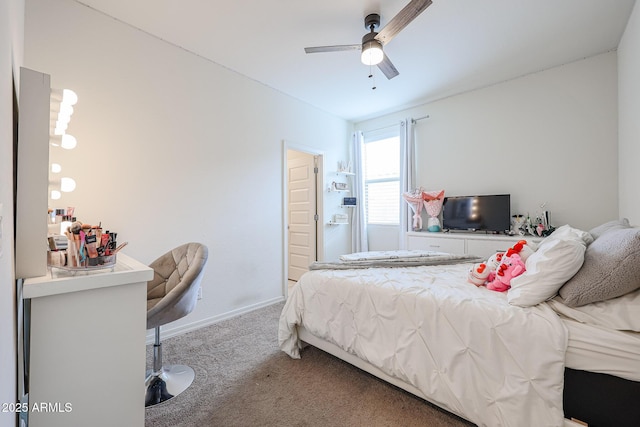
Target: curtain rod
(390, 126)
(420, 118)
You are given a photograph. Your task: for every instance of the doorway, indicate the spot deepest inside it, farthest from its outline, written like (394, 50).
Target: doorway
(302, 214)
(302, 181)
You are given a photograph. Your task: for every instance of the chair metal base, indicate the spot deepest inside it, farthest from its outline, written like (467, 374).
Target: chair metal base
(169, 382)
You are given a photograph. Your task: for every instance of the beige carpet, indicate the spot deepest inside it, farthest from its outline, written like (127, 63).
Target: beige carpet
(243, 379)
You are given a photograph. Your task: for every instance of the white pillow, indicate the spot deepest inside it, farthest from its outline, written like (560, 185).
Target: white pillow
(556, 261)
(567, 232)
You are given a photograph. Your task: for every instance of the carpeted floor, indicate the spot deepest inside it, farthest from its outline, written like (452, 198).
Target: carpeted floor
(243, 379)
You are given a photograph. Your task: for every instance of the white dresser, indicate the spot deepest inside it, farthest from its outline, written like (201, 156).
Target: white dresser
(87, 346)
(480, 244)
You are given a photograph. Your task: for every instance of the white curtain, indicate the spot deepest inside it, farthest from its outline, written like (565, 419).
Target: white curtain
(407, 176)
(359, 241)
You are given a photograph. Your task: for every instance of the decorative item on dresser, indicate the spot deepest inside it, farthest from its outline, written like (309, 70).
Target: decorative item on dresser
(433, 201)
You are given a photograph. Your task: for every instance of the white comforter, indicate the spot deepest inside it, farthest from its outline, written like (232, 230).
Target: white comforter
(465, 348)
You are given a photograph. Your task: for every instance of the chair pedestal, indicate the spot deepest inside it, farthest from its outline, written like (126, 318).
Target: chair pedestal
(169, 382)
(165, 382)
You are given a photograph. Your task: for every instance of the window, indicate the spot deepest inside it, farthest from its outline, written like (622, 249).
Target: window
(381, 161)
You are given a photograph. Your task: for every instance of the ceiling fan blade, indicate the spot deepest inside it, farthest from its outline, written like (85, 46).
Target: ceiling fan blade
(402, 19)
(337, 48)
(387, 68)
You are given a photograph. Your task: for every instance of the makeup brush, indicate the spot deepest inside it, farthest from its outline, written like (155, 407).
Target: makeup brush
(115, 251)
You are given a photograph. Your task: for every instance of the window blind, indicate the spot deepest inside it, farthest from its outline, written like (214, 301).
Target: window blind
(382, 180)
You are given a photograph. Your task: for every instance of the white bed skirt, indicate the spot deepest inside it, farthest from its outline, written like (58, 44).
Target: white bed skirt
(306, 337)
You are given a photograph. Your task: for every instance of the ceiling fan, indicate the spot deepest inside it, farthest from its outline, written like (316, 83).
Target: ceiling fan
(372, 42)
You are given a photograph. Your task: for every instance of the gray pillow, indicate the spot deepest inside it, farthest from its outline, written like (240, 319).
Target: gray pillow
(611, 225)
(611, 269)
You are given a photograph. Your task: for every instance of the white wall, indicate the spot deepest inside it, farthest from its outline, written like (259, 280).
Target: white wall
(547, 137)
(11, 49)
(629, 106)
(383, 237)
(174, 148)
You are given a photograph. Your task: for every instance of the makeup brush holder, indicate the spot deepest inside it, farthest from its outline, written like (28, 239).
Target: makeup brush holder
(101, 262)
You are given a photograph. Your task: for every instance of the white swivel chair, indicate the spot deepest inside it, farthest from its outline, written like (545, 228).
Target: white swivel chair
(172, 294)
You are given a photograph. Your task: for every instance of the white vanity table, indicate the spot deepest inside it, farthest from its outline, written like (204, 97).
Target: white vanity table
(87, 346)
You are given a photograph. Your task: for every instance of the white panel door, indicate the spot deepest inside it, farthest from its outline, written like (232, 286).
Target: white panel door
(301, 213)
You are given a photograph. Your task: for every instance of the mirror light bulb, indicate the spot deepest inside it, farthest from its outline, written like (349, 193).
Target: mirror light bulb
(67, 184)
(69, 142)
(56, 168)
(69, 97)
(55, 195)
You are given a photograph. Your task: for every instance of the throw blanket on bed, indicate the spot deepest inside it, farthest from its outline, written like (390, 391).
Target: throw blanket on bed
(465, 348)
(401, 258)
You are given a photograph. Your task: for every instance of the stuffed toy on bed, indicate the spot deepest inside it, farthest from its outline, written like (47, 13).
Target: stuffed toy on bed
(522, 248)
(486, 273)
(494, 261)
(479, 274)
(510, 267)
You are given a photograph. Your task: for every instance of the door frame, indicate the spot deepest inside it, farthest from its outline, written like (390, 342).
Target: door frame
(286, 146)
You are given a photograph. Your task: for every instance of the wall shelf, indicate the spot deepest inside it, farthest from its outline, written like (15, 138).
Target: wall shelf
(341, 185)
(332, 188)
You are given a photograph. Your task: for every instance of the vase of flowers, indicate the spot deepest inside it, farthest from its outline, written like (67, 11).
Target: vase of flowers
(433, 204)
(414, 199)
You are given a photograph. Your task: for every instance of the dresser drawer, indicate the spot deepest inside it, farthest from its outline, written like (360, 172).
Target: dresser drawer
(486, 248)
(440, 244)
(465, 243)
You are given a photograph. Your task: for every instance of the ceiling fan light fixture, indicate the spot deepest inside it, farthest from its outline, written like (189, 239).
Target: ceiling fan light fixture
(372, 53)
(372, 42)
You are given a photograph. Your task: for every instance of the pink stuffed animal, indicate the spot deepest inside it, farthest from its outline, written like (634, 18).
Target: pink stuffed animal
(511, 266)
(501, 267)
(522, 248)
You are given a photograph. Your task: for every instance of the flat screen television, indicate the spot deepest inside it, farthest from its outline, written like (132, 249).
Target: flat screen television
(491, 213)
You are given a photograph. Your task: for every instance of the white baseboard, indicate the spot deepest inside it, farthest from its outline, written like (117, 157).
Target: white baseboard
(179, 330)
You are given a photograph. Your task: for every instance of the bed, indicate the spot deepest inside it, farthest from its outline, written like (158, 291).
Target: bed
(539, 354)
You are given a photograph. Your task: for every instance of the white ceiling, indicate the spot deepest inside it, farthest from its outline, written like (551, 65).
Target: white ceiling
(452, 47)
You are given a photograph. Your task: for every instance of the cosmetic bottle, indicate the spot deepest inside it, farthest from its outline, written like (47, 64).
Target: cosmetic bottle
(65, 224)
(59, 214)
(90, 242)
